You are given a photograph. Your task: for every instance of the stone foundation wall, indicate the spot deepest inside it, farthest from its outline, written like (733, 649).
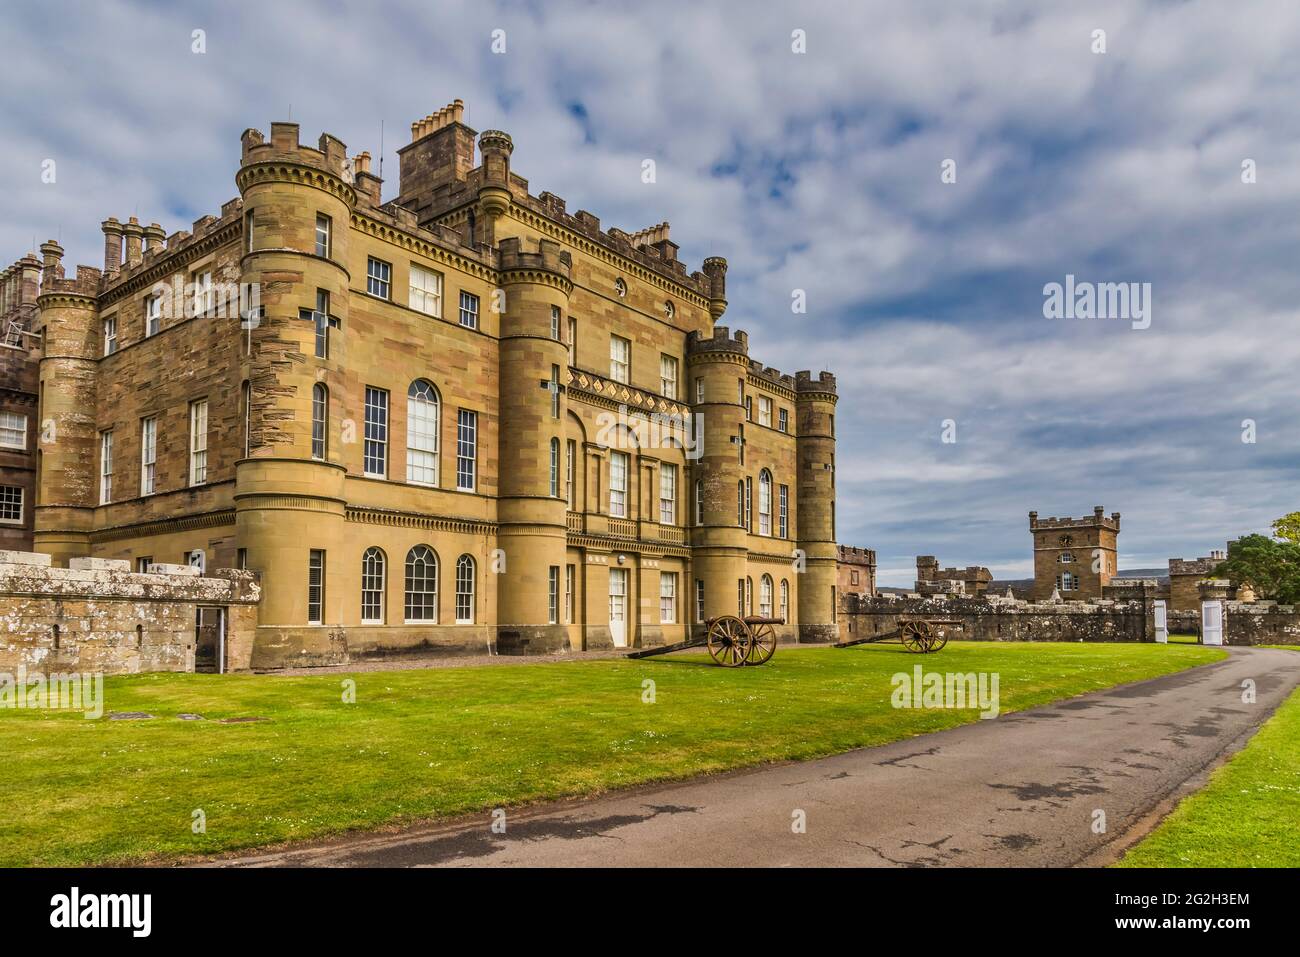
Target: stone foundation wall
(98, 616)
(1001, 619)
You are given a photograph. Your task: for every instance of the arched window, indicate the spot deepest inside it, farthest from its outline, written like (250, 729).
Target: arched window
(464, 590)
(421, 433)
(765, 502)
(765, 596)
(421, 585)
(320, 406)
(555, 468)
(785, 601)
(372, 586)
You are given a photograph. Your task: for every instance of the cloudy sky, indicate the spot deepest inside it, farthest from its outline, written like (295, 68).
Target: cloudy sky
(817, 171)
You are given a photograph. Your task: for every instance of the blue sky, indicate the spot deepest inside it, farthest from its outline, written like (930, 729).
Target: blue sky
(817, 171)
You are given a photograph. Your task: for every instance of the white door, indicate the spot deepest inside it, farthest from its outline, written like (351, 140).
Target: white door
(1211, 623)
(1162, 623)
(618, 606)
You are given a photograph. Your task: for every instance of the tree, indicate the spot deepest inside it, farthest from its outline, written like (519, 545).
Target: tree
(1287, 528)
(1272, 567)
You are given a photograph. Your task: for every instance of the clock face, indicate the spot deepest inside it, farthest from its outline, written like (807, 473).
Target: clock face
(1066, 541)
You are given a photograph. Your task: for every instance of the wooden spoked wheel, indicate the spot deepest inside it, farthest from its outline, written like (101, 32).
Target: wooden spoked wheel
(762, 644)
(939, 639)
(728, 640)
(916, 636)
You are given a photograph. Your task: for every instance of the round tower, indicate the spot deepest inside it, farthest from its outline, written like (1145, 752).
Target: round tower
(815, 448)
(66, 494)
(719, 548)
(289, 496)
(495, 148)
(530, 505)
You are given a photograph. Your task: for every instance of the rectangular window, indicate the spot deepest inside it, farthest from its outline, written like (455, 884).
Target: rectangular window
(555, 323)
(699, 389)
(204, 294)
(469, 310)
(783, 511)
(142, 564)
(198, 442)
(426, 291)
(466, 449)
(553, 593)
(316, 587)
(620, 358)
(323, 229)
(248, 231)
(241, 559)
(197, 559)
(783, 420)
(11, 504)
(618, 484)
(379, 276)
(764, 411)
(699, 600)
(555, 391)
(152, 316)
(105, 467)
(319, 422)
(573, 341)
(375, 452)
(323, 321)
(668, 598)
(570, 455)
(110, 335)
(148, 454)
(749, 503)
(13, 431)
(749, 408)
(668, 495)
(668, 377)
(569, 573)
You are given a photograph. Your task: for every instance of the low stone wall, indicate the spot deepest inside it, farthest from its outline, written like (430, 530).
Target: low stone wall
(1260, 623)
(984, 618)
(99, 616)
(311, 646)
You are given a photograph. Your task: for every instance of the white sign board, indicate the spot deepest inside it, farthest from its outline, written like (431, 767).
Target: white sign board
(1162, 623)
(1211, 622)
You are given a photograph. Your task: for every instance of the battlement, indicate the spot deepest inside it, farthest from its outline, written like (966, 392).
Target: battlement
(1199, 566)
(769, 374)
(721, 341)
(1097, 520)
(329, 155)
(854, 555)
(549, 257)
(825, 382)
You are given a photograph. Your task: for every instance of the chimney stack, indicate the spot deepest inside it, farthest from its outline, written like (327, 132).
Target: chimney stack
(53, 254)
(441, 152)
(134, 239)
(112, 245)
(154, 235)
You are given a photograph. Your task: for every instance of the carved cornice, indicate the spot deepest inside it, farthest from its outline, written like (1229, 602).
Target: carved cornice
(433, 523)
(209, 242)
(166, 526)
(296, 174)
(400, 237)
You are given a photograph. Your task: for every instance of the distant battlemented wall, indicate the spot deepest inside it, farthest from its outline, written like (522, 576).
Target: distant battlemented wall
(990, 618)
(98, 616)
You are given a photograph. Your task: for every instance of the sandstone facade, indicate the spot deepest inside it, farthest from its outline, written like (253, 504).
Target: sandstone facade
(1074, 556)
(445, 423)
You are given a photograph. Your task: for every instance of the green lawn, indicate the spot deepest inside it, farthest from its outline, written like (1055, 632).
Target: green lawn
(1248, 815)
(442, 741)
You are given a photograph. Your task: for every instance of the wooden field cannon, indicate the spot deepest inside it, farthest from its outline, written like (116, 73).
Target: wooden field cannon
(732, 641)
(922, 635)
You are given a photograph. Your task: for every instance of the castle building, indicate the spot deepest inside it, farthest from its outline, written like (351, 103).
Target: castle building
(1185, 577)
(462, 420)
(19, 287)
(857, 571)
(1074, 556)
(931, 579)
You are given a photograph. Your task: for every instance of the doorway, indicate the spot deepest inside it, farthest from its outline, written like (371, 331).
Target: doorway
(210, 640)
(618, 606)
